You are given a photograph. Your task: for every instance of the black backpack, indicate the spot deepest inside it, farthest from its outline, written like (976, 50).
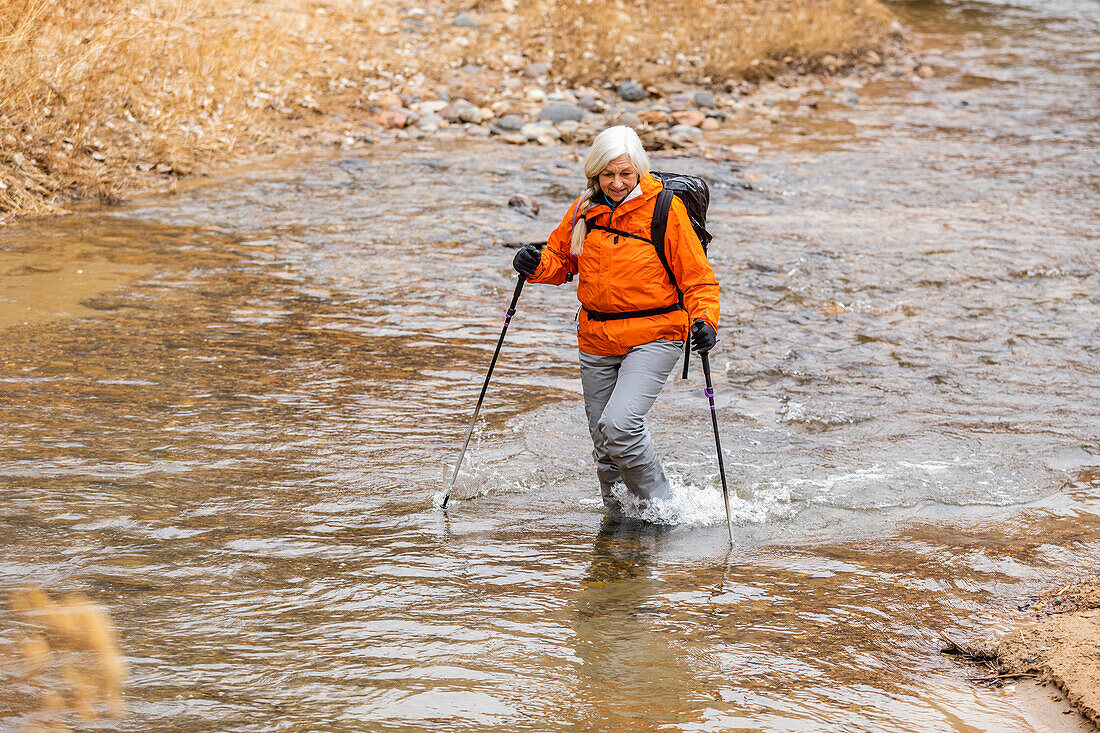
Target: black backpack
(695, 193)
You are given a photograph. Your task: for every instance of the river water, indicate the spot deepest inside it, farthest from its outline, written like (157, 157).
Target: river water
(226, 415)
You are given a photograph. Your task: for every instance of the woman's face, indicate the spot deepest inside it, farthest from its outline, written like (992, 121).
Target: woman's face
(619, 178)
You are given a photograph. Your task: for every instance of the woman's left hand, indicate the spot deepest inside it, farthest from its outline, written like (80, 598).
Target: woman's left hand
(703, 337)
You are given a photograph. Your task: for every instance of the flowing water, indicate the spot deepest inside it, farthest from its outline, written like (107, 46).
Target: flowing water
(226, 414)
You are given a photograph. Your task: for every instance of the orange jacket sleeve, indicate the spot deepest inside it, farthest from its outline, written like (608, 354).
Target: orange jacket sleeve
(689, 263)
(556, 262)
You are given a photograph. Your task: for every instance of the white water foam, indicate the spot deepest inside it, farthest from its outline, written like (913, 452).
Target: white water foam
(694, 505)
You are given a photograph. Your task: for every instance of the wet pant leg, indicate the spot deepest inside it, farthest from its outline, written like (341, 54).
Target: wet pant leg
(618, 392)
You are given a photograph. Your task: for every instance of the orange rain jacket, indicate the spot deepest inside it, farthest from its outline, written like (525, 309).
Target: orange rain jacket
(618, 274)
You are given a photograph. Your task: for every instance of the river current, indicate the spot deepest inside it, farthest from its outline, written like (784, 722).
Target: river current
(226, 415)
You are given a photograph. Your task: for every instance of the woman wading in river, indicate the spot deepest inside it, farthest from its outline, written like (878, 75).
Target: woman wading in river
(631, 326)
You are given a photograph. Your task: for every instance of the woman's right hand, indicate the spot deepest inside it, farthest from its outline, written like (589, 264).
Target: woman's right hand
(526, 260)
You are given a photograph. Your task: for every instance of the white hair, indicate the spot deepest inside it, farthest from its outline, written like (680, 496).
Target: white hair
(608, 145)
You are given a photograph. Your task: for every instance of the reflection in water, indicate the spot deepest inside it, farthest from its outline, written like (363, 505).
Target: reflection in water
(631, 677)
(230, 440)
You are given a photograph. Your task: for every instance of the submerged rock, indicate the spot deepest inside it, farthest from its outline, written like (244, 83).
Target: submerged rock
(524, 204)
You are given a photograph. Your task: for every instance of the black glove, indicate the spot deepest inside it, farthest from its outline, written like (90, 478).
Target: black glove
(703, 337)
(527, 259)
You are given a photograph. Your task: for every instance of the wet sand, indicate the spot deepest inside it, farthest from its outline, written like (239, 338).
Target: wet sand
(1062, 647)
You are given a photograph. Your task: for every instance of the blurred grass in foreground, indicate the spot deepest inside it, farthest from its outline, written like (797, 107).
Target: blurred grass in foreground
(61, 664)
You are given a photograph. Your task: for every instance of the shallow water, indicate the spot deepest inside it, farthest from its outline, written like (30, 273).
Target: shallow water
(232, 439)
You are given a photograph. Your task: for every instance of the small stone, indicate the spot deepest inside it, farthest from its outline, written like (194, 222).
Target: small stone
(926, 72)
(710, 123)
(524, 204)
(692, 117)
(704, 99)
(631, 91)
(449, 113)
(535, 130)
(431, 122)
(873, 58)
(393, 118)
(510, 123)
(463, 20)
(389, 101)
(829, 61)
(685, 134)
(478, 131)
(561, 112)
(589, 103)
(546, 139)
(468, 113)
(655, 117)
(430, 107)
(536, 70)
(534, 94)
(629, 119)
(679, 102)
(514, 138)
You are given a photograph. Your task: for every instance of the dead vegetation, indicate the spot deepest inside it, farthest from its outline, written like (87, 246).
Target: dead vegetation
(97, 95)
(702, 41)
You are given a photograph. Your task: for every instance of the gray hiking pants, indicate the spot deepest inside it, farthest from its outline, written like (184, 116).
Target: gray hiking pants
(618, 392)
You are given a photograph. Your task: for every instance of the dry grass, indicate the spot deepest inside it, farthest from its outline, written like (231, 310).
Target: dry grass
(701, 41)
(98, 94)
(93, 92)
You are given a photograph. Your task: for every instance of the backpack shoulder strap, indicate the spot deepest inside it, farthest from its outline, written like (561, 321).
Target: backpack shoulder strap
(657, 231)
(661, 210)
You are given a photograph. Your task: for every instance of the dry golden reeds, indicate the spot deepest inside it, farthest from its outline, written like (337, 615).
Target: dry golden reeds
(94, 91)
(699, 41)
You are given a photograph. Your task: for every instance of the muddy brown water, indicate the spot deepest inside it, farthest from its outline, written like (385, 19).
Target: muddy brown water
(226, 413)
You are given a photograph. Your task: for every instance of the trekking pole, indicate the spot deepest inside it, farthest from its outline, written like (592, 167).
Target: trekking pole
(477, 409)
(717, 442)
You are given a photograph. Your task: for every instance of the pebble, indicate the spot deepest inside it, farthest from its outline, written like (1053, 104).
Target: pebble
(430, 122)
(534, 94)
(589, 103)
(536, 130)
(710, 123)
(631, 91)
(469, 113)
(510, 123)
(388, 101)
(679, 102)
(536, 70)
(561, 112)
(629, 119)
(463, 20)
(394, 118)
(478, 131)
(685, 134)
(692, 117)
(430, 107)
(655, 117)
(448, 112)
(704, 99)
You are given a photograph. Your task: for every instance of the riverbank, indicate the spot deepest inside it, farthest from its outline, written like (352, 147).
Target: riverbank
(105, 99)
(1059, 643)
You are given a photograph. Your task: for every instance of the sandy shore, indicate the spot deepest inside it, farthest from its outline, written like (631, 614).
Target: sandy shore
(1057, 642)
